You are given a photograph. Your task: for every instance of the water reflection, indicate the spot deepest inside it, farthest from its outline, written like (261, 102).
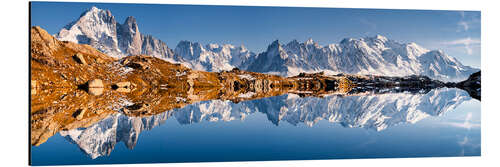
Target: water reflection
(374, 112)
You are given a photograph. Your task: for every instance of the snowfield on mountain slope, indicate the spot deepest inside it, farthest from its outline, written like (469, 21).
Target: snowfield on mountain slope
(370, 55)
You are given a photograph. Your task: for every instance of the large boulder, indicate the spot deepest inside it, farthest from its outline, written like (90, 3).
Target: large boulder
(472, 85)
(96, 91)
(78, 114)
(95, 87)
(125, 84)
(96, 83)
(80, 59)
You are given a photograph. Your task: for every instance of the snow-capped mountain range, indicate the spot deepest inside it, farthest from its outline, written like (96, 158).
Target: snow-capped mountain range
(376, 112)
(370, 55)
(213, 57)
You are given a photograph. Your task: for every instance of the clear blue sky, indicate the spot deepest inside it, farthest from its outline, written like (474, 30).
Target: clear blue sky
(458, 33)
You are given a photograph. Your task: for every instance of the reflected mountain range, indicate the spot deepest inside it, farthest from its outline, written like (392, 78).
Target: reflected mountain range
(370, 111)
(97, 101)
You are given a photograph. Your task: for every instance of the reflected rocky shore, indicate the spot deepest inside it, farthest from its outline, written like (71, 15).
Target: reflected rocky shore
(370, 111)
(96, 101)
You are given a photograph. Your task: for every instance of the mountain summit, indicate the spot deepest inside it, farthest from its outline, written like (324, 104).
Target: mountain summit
(375, 55)
(99, 29)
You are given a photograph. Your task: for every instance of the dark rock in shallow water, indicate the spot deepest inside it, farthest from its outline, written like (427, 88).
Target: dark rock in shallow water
(385, 84)
(472, 85)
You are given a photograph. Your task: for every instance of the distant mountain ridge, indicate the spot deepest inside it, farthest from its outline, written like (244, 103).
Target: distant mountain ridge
(213, 57)
(370, 55)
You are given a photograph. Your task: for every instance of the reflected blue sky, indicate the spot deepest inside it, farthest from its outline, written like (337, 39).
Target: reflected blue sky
(454, 132)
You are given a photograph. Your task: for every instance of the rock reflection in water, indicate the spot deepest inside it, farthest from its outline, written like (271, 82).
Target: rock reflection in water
(95, 100)
(371, 111)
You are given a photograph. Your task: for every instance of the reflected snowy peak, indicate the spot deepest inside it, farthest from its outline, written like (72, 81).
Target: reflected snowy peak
(372, 111)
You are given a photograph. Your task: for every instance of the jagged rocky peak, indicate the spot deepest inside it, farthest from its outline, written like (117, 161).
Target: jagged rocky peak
(131, 39)
(293, 43)
(380, 38)
(95, 13)
(99, 29)
(309, 41)
(374, 40)
(346, 41)
(93, 24)
(275, 49)
(130, 25)
(242, 48)
(224, 49)
(189, 50)
(213, 46)
(296, 46)
(274, 45)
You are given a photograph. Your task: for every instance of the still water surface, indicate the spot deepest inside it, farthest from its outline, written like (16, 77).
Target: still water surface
(442, 122)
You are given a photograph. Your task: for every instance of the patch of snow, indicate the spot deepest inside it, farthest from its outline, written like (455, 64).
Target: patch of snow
(247, 76)
(247, 95)
(125, 70)
(178, 74)
(292, 96)
(180, 99)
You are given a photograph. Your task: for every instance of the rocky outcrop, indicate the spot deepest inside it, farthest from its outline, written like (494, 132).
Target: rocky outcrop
(80, 59)
(78, 114)
(56, 64)
(472, 85)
